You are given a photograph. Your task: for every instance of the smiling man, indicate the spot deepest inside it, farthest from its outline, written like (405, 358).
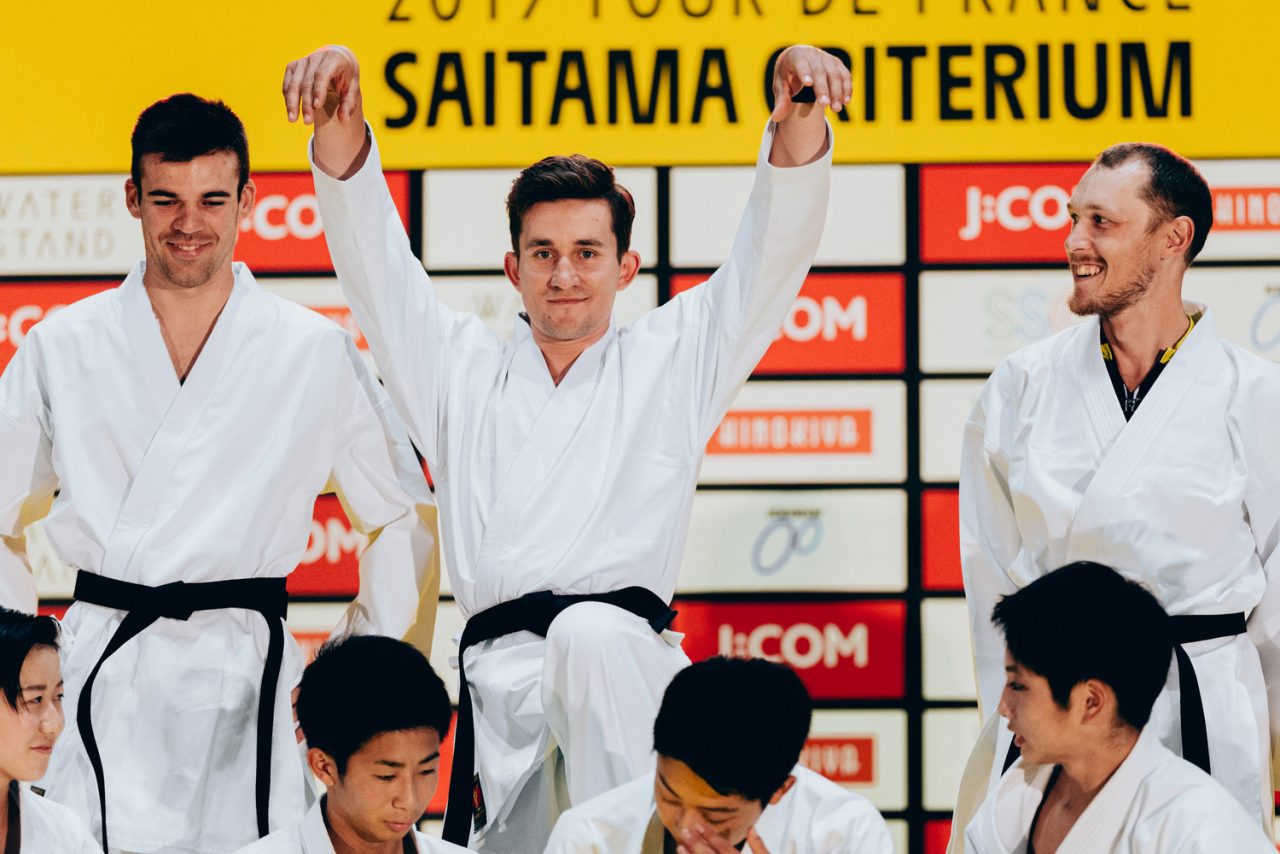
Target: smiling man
(1142, 440)
(186, 422)
(566, 459)
(374, 714)
(1086, 658)
(728, 736)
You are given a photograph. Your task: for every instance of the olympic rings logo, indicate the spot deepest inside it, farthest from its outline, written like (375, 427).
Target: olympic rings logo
(789, 533)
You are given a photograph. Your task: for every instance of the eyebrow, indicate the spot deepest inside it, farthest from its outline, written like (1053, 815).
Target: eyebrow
(169, 194)
(667, 786)
(422, 761)
(40, 687)
(582, 241)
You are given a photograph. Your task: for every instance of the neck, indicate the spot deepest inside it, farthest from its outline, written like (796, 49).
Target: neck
(1086, 774)
(561, 354)
(198, 303)
(5, 782)
(346, 840)
(1138, 334)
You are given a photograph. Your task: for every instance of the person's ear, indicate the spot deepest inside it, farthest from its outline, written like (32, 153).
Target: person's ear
(323, 766)
(783, 789)
(132, 198)
(1178, 236)
(511, 266)
(627, 268)
(1095, 698)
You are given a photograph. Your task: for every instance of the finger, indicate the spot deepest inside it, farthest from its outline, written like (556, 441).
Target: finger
(755, 843)
(351, 98)
(306, 97)
(781, 103)
(325, 75)
(835, 87)
(290, 89)
(821, 89)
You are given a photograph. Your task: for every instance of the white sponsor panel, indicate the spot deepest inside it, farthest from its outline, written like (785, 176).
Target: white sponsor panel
(865, 217)
(971, 320)
(828, 540)
(1245, 302)
(944, 406)
(949, 736)
(498, 304)
(811, 432)
(465, 226)
(898, 833)
(838, 749)
(66, 224)
(1246, 201)
(948, 650)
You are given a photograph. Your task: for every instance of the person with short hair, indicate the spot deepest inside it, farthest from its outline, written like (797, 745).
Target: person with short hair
(374, 714)
(567, 458)
(182, 425)
(728, 737)
(1142, 440)
(31, 720)
(1086, 657)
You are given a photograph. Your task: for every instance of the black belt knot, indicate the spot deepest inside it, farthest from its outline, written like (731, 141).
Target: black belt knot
(178, 600)
(532, 612)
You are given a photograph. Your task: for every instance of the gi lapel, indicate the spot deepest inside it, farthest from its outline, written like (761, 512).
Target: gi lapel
(1102, 823)
(1122, 459)
(146, 488)
(551, 436)
(1017, 795)
(312, 833)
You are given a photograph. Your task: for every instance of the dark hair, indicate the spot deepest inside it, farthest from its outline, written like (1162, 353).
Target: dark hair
(1085, 621)
(1174, 187)
(572, 177)
(183, 127)
(19, 634)
(739, 724)
(398, 691)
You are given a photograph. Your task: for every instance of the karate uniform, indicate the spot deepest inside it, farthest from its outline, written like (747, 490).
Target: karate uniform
(206, 481)
(1184, 497)
(580, 488)
(51, 828)
(1155, 803)
(815, 817)
(310, 836)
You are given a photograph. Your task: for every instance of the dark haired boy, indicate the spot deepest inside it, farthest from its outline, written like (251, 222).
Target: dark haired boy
(567, 457)
(728, 736)
(1142, 440)
(374, 714)
(186, 422)
(1086, 658)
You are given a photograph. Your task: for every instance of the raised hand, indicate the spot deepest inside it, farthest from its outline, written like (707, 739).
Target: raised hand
(802, 65)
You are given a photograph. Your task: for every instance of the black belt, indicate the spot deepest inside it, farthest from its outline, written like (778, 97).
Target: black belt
(1187, 628)
(532, 612)
(178, 601)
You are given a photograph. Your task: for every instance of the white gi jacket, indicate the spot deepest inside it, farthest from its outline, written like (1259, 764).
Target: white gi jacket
(210, 480)
(815, 817)
(1185, 498)
(1155, 803)
(51, 828)
(584, 487)
(310, 836)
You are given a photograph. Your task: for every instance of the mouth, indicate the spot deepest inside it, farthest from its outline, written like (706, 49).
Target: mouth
(567, 301)
(187, 249)
(1084, 271)
(400, 827)
(46, 749)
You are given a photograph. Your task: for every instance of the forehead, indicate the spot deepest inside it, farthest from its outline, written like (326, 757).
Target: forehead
(676, 778)
(41, 666)
(407, 747)
(569, 219)
(1117, 189)
(217, 170)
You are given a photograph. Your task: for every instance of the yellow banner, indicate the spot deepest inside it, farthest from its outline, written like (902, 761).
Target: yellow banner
(502, 82)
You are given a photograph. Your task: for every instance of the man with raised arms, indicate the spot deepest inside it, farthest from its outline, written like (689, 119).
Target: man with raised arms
(1085, 659)
(1142, 440)
(566, 459)
(187, 420)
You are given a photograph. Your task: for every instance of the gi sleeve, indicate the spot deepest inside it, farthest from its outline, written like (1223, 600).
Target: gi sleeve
(381, 487)
(27, 479)
(989, 539)
(854, 825)
(733, 317)
(411, 335)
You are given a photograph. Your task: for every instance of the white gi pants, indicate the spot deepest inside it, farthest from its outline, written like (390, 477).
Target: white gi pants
(562, 719)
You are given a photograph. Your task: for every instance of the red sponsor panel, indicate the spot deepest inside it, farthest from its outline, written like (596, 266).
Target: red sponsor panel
(341, 315)
(1246, 208)
(793, 431)
(940, 544)
(996, 212)
(841, 323)
(331, 564)
(58, 611)
(284, 234)
(24, 304)
(309, 640)
(842, 650)
(848, 760)
(441, 798)
(937, 833)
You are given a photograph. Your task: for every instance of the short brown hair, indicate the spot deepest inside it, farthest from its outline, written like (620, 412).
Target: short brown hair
(1174, 187)
(574, 177)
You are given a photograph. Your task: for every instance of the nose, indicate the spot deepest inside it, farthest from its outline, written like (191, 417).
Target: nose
(185, 220)
(1076, 240)
(563, 273)
(1002, 708)
(53, 720)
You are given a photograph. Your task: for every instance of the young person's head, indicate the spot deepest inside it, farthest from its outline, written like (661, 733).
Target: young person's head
(1087, 653)
(728, 734)
(373, 713)
(570, 227)
(31, 678)
(189, 186)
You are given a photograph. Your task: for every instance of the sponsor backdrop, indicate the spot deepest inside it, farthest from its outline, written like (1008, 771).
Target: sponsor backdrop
(824, 531)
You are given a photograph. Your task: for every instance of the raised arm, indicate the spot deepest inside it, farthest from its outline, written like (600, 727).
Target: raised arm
(27, 480)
